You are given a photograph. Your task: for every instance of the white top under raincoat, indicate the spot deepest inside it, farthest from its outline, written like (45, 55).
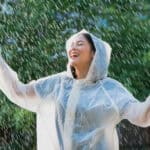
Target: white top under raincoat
(77, 114)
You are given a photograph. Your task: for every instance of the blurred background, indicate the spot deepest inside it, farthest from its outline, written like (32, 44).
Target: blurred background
(32, 41)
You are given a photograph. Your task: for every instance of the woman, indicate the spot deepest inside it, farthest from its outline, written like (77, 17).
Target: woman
(77, 109)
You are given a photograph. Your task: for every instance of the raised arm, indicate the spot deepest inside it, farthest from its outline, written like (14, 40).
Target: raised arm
(28, 96)
(129, 107)
(138, 113)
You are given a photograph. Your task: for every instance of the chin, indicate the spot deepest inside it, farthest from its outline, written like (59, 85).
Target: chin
(73, 63)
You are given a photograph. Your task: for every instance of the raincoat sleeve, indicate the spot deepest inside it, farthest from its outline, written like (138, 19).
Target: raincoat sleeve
(28, 96)
(130, 108)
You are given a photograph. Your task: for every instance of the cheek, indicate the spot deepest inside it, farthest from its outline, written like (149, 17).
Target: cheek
(68, 53)
(87, 55)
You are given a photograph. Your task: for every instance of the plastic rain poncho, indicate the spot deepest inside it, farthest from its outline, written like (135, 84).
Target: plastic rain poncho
(77, 114)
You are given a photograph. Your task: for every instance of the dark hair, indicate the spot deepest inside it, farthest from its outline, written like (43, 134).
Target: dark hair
(73, 72)
(89, 39)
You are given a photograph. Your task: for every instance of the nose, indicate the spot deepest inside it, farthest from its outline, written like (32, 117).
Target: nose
(73, 46)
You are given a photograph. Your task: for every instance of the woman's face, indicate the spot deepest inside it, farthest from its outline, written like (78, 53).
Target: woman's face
(79, 51)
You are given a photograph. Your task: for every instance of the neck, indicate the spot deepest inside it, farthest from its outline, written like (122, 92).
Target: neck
(81, 72)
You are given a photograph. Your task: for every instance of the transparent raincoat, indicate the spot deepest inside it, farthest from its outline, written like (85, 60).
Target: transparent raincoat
(77, 114)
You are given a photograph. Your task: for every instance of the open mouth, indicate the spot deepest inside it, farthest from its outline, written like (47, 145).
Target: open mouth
(74, 56)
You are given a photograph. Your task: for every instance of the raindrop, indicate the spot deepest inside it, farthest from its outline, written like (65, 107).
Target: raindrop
(19, 49)
(55, 56)
(11, 41)
(6, 9)
(0, 49)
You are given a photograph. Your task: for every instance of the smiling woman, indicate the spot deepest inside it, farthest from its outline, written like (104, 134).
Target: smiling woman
(80, 50)
(79, 108)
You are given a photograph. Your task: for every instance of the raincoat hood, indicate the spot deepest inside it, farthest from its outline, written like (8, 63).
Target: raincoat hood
(100, 63)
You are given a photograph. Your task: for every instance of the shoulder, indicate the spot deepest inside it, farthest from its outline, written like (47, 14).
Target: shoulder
(55, 80)
(114, 86)
(117, 89)
(57, 77)
(110, 83)
(47, 85)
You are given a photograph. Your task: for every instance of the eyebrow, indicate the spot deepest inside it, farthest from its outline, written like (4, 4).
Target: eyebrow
(80, 41)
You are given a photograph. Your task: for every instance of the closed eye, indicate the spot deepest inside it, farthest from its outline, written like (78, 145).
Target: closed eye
(80, 43)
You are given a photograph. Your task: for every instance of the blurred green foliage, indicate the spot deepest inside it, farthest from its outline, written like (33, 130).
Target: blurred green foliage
(32, 40)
